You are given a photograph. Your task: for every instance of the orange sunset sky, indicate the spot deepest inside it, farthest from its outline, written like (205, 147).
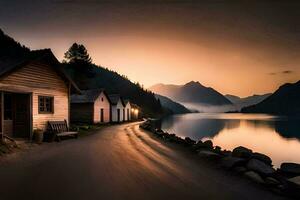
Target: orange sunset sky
(237, 48)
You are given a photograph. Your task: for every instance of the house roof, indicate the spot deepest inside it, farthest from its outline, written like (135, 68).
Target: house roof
(126, 101)
(114, 99)
(88, 96)
(8, 65)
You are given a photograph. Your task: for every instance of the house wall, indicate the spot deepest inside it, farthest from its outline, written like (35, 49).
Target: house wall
(114, 112)
(81, 113)
(40, 79)
(98, 105)
(128, 110)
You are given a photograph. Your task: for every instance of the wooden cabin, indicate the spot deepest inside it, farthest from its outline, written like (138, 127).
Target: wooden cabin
(117, 108)
(127, 110)
(91, 106)
(34, 89)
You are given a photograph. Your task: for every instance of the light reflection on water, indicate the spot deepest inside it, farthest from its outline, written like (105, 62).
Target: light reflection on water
(278, 137)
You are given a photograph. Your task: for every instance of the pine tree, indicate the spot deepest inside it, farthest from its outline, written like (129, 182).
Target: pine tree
(77, 54)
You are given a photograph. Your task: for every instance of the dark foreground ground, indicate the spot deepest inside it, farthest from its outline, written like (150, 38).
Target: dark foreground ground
(119, 162)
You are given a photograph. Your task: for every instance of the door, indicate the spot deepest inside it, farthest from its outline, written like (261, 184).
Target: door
(102, 115)
(128, 118)
(118, 113)
(123, 114)
(21, 115)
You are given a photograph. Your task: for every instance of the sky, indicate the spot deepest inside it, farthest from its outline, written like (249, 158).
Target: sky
(237, 47)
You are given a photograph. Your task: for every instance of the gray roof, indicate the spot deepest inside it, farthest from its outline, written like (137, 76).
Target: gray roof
(114, 98)
(86, 96)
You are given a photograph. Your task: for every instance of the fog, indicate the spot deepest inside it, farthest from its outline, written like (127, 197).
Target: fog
(209, 108)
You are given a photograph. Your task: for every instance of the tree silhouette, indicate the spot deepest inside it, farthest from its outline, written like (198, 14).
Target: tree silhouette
(77, 54)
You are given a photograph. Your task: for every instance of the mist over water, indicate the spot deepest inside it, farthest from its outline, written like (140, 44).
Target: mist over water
(277, 137)
(205, 108)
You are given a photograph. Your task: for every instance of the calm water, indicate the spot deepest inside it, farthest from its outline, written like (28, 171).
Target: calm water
(277, 137)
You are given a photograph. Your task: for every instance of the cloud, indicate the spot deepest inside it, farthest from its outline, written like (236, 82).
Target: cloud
(282, 72)
(287, 72)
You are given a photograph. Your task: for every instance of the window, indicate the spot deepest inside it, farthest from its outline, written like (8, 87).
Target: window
(46, 104)
(102, 99)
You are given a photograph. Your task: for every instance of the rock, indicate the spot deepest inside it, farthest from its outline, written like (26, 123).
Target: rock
(217, 149)
(271, 181)
(254, 177)
(295, 180)
(259, 167)
(242, 152)
(226, 153)
(230, 162)
(240, 169)
(189, 141)
(208, 144)
(293, 187)
(262, 157)
(209, 155)
(290, 168)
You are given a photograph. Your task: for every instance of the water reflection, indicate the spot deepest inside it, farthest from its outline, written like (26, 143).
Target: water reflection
(277, 137)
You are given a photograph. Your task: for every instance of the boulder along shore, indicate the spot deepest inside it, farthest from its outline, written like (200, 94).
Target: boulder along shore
(255, 166)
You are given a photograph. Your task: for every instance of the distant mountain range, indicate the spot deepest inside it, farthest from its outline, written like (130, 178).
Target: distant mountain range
(174, 107)
(284, 101)
(246, 101)
(192, 92)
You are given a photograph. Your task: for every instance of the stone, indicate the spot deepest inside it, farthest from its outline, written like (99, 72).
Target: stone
(217, 149)
(230, 162)
(240, 169)
(262, 157)
(290, 168)
(209, 155)
(254, 177)
(189, 141)
(295, 180)
(271, 181)
(242, 152)
(293, 187)
(208, 144)
(259, 167)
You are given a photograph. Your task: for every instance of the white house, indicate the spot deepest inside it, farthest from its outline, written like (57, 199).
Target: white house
(117, 108)
(92, 106)
(127, 110)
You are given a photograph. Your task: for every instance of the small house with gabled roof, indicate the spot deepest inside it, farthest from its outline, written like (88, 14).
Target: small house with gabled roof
(34, 89)
(91, 106)
(127, 110)
(117, 108)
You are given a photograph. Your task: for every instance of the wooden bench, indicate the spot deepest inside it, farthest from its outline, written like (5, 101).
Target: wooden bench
(60, 129)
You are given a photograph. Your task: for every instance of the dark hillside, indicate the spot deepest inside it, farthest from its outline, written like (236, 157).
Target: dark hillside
(99, 77)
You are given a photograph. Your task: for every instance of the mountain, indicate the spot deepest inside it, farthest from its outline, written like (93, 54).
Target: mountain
(175, 107)
(93, 78)
(284, 101)
(246, 101)
(112, 82)
(192, 92)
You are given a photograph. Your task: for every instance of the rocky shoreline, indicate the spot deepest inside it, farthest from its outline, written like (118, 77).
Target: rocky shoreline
(241, 160)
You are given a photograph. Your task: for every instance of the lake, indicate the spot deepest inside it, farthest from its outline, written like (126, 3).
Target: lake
(277, 137)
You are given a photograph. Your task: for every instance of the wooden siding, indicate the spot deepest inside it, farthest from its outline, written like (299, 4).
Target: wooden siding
(128, 112)
(81, 113)
(98, 105)
(114, 112)
(40, 79)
